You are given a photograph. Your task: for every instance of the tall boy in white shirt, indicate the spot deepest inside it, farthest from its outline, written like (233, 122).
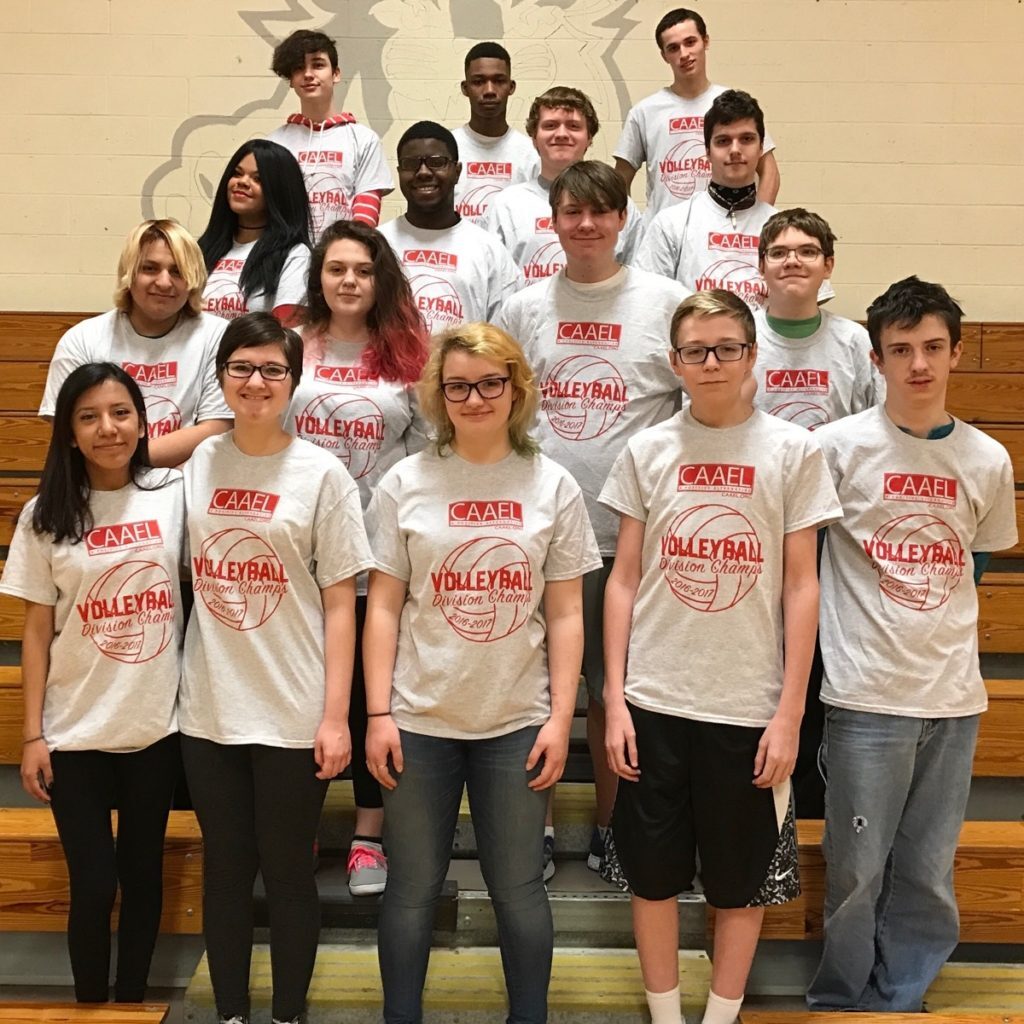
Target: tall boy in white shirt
(665, 130)
(709, 624)
(341, 160)
(923, 493)
(494, 156)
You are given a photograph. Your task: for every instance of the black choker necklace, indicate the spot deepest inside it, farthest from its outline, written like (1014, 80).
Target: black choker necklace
(733, 199)
(251, 227)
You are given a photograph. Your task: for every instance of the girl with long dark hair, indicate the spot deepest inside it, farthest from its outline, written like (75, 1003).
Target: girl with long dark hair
(365, 345)
(96, 560)
(256, 244)
(276, 540)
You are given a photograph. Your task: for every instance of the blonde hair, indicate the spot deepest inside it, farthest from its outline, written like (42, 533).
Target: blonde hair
(493, 344)
(715, 302)
(185, 250)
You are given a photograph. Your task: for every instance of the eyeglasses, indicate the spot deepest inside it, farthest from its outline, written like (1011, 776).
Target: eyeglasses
(268, 371)
(803, 253)
(411, 164)
(727, 352)
(488, 388)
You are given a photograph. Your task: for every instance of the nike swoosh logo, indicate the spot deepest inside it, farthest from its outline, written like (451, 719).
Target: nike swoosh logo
(779, 878)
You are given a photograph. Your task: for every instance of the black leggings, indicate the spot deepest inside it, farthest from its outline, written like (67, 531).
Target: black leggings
(258, 808)
(87, 785)
(365, 787)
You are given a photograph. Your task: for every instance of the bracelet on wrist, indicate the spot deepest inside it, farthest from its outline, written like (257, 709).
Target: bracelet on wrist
(33, 739)
(377, 714)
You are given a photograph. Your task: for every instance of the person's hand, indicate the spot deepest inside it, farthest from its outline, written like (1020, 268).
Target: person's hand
(620, 742)
(552, 744)
(332, 748)
(776, 753)
(36, 773)
(383, 741)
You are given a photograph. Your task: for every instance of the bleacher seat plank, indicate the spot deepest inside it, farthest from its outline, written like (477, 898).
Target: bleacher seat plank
(34, 878)
(970, 339)
(986, 397)
(13, 495)
(82, 1013)
(34, 336)
(989, 884)
(784, 1017)
(21, 386)
(1001, 613)
(10, 714)
(12, 615)
(1012, 438)
(1017, 551)
(1002, 347)
(23, 443)
(1000, 750)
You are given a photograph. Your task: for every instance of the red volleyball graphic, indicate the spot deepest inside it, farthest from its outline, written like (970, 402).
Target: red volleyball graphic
(327, 201)
(919, 560)
(162, 416)
(351, 426)
(245, 579)
(129, 612)
(686, 168)
(808, 415)
(546, 261)
(222, 297)
(474, 201)
(737, 276)
(484, 589)
(439, 303)
(583, 396)
(711, 557)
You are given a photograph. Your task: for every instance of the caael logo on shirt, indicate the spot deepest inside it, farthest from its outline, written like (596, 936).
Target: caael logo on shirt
(812, 382)
(932, 490)
(677, 125)
(721, 477)
(484, 588)
(583, 396)
(488, 169)
(593, 334)
(431, 258)
(313, 157)
(153, 375)
(711, 557)
(105, 540)
(235, 501)
(919, 560)
(128, 612)
(239, 578)
(346, 376)
(486, 513)
(733, 241)
(543, 225)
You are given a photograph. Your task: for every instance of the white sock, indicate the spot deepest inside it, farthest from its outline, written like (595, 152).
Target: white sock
(549, 830)
(664, 1007)
(720, 1010)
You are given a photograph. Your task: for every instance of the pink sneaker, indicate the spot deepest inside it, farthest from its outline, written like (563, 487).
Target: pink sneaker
(367, 868)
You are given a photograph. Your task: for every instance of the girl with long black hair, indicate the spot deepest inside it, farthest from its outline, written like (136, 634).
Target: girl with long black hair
(96, 560)
(256, 244)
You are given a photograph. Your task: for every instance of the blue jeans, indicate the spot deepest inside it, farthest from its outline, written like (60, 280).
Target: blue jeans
(894, 802)
(420, 817)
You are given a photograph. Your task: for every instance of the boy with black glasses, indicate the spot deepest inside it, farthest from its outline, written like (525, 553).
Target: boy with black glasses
(710, 616)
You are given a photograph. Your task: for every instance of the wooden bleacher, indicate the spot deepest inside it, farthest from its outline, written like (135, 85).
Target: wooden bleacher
(987, 390)
(82, 1013)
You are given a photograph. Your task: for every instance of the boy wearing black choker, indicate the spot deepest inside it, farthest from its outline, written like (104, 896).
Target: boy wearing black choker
(711, 240)
(812, 368)
(342, 161)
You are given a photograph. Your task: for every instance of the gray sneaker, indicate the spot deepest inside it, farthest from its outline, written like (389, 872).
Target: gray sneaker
(367, 868)
(549, 857)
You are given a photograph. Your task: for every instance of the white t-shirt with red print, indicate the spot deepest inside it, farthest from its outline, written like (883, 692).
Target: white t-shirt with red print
(457, 274)
(338, 160)
(521, 218)
(899, 609)
(666, 132)
(265, 535)
(223, 296)
(115, 659)
(704, 246)
(476, 545)
(176, 373)
(707, 630)
(490, 165)
(600, 353)
(818, 379)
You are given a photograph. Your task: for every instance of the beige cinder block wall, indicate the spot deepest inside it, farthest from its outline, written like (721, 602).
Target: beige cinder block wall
(900, 120)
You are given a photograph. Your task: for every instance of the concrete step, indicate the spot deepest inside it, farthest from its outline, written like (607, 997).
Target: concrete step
(464, 986)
